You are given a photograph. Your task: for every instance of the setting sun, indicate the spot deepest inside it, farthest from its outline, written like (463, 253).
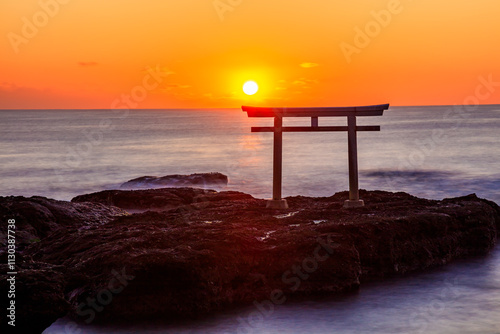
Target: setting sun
(250, 87)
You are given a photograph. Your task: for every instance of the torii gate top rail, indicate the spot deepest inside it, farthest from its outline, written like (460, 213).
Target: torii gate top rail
(314, 113)
(375, 110)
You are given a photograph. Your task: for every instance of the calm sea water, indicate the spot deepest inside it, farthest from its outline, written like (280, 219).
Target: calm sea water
(434, 152)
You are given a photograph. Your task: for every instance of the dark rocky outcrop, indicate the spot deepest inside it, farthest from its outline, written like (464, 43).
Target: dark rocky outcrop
(201, 250)
(40, 287)
(36, 217)
(159, 199)
(200, 180)
(39, 296)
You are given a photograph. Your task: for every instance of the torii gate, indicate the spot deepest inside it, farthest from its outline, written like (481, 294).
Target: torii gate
(350, 112)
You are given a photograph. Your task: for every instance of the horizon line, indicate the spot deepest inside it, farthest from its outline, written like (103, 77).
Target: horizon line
(219, 108)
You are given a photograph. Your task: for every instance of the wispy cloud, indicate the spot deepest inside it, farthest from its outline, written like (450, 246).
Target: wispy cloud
(295, 85)
(163, 70)
(7, 86)
(304, 81)
(24, 97)
(176, 85)
(309, 65)
(171, 86)
(87, 63)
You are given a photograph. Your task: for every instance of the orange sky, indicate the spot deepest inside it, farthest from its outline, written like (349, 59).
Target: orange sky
(96, 54)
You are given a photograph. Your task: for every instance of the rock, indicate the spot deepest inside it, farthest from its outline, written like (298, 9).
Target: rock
(160, 199)
(201, 180)
(40, 287)
(201, 251)
(473, 198)
(39, 297)
(37, 217)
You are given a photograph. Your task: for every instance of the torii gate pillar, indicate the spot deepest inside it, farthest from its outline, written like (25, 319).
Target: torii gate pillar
(352, 148)
(277, 202)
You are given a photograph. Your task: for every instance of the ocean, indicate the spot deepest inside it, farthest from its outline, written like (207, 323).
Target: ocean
(434, 152)
(428, 151)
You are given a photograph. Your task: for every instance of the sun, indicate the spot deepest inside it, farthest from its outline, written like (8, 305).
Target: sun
(250, 87)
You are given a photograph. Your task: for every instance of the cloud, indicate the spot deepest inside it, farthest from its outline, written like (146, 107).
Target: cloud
(159, 69)
(176, 85)
(13, 96)
(304, 81)
(172, 86)
(309, 65)
(7, 86)
(87, 63)
(295, 84)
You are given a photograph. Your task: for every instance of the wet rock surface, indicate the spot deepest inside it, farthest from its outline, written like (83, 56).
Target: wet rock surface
(200, 180)
(39, 297)
(160, 199)
(188, 252)
(36, 217)
(40, 287)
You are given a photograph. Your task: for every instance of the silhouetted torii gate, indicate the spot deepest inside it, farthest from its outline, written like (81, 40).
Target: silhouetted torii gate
(350, 112)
